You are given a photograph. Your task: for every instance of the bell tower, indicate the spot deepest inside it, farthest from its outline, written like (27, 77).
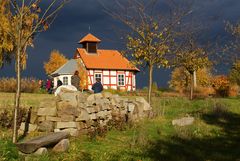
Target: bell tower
(90, 43)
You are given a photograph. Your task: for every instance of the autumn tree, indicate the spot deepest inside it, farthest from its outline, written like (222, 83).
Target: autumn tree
(232, 49)
(192, 57)
(6, 43)
(151, 33)
(55, 61)
(83, 75)
(181, 79)
(234, 74)
(27, 19)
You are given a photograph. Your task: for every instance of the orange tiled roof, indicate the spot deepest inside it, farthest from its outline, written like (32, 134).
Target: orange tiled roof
(105, 59)
(89, 38)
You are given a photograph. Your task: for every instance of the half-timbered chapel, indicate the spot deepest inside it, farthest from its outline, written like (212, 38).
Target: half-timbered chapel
(114, 70)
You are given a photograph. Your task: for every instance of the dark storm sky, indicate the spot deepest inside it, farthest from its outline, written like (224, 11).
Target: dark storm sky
(74, 20)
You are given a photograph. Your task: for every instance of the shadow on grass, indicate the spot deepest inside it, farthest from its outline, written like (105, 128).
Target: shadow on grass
(221, 146)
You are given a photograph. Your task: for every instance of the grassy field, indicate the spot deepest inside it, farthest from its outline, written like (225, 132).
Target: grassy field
(27, 100)
(214, 136)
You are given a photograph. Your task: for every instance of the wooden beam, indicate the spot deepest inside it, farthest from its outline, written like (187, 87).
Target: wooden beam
(32, 145)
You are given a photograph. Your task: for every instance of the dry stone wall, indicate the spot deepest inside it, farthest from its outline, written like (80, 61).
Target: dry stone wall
(77, 113)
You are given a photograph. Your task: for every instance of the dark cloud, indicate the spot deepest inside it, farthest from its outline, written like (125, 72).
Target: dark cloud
(75, 18)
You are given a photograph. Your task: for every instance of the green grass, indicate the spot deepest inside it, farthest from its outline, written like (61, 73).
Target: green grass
(215, 135)
(27, 99)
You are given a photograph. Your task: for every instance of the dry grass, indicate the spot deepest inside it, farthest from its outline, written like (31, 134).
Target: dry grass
(28, 85)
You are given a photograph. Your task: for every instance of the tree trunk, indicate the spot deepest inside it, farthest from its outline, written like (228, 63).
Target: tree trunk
(195, 79)
(150, 83)
(191, 86)
(18, 79)
(17, 97)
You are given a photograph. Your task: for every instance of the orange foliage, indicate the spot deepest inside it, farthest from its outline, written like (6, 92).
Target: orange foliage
(56, 60)
(221, 85)
(83, 75)
(233, 90)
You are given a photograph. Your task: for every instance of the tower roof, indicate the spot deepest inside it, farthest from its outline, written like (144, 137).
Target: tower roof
(89, 38)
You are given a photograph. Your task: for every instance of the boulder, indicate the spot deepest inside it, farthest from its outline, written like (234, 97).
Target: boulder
(107, 95)
(63, 125)
(62, 146)
(146, 106)
(49, 103)
(71, 131)
(91, 98)
(71, 98)
(46, 126)
(82, 125)
(68, 111)
(52, 118)
(130, 107)
(81, 98)
(47, 111)
(41, 151)
(65, 104)
(84, 115)
(90, 109)
(66, 118)
(98, 96)
(183, 121)
(41, 119)
(101, 114)
(115, 99)
(96, 108)
(93, 116)
(139, 109)
(99, 101)
(65, 89)
(33, 118)
(30, 128)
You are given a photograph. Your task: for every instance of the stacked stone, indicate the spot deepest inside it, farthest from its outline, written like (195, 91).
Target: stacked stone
(78, 113)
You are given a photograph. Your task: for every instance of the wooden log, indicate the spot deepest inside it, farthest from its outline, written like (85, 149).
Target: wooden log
(32, 145)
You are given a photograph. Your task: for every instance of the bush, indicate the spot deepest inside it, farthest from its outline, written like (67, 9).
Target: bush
(28, 85)
(6, 118)
(221, 85)
(233, 90)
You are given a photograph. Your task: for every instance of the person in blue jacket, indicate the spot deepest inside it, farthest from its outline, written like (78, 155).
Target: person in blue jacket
(97, 87)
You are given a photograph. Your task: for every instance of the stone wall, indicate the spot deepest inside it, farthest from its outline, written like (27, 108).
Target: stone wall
(78, 113)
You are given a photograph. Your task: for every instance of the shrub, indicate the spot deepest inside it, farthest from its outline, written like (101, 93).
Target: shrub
(6, 118)
(233, 90)
(221, 85)
(234, 74)
(28, 85)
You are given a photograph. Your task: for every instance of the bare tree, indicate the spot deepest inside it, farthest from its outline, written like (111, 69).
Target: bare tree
(152, 31)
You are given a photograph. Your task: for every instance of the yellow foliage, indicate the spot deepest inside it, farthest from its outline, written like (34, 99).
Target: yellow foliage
(56, 60)
(6, 43)
(180, 79)
(83, 75)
